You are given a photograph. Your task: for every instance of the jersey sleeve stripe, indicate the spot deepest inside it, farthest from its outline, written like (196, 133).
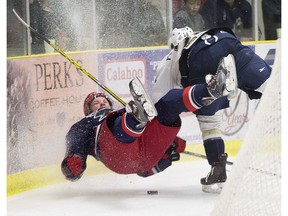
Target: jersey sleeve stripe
(188, 98)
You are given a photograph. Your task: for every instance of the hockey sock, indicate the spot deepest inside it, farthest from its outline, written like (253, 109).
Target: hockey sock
(176, 101)
(213, 148)
(125, 128)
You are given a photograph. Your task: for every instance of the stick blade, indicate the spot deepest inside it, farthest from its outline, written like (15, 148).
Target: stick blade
(20, 19)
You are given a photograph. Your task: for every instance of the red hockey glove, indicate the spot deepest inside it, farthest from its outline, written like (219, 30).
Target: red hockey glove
(171, 154)
(180, 144)
(73, 167)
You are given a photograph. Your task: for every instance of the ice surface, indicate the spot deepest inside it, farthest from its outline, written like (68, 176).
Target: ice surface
(179, 193)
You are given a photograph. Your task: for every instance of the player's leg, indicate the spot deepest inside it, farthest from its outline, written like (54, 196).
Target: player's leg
(209, 123)
(141, 110)
(131, 125)
(142, 107)
(177, 101)
(215, 152)
(192, 98)
(215, 179)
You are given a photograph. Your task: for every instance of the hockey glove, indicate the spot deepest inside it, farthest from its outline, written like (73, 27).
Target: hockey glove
(73, 167)
(163, 164)
(176, 147)
(171, 154)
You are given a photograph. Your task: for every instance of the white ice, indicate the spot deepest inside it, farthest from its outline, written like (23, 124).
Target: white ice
(179, 193)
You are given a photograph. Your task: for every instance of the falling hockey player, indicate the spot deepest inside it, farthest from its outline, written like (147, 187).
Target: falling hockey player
(137, 139)
(193, 57)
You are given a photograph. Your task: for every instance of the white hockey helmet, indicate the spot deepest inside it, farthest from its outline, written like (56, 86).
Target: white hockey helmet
(180, 36)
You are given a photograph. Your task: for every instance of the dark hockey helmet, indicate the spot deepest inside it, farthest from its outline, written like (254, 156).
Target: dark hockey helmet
(89, 99)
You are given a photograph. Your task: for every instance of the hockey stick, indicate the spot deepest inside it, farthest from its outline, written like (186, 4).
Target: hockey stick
(202, 156)
(78, 66)
(193, 153)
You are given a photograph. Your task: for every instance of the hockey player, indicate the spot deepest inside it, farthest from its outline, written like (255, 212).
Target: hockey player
(194, 56)
(138, 139)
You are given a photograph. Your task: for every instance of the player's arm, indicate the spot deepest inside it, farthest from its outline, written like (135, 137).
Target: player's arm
(73, 166)
(77, 139)
(80, 140)
(74, 163)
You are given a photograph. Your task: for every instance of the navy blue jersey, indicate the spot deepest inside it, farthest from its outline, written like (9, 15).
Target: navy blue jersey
(80, 138)
(204, 55)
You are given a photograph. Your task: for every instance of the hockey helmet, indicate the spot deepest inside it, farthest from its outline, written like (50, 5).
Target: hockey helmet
(180, 36)
(89, 99)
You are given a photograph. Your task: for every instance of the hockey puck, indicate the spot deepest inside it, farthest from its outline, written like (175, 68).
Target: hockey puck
(154, 192)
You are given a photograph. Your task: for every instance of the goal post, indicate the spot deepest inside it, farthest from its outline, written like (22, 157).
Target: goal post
(253, 186)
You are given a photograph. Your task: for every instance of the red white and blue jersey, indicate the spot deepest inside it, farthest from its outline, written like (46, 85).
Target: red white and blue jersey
(106, 134)
(139, 156)
(92, 136)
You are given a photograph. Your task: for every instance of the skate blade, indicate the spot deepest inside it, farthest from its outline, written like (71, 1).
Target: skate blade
(231, 82)
(150, 110)
(137, 88)
(140, 92)
(213, 188)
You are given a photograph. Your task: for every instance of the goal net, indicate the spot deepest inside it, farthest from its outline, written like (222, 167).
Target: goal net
(253, 186)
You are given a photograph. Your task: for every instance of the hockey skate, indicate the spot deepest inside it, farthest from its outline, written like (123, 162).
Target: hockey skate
(214, 181)
(142, 107)
(224, 82)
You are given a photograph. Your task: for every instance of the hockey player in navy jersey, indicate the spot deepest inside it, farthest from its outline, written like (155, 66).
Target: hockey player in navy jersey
(193, 57)
(138, 139)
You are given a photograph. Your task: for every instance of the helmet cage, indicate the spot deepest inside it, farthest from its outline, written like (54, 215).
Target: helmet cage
(180, 35)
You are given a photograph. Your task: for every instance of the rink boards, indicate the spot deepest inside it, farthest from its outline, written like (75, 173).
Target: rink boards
(46, 94)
